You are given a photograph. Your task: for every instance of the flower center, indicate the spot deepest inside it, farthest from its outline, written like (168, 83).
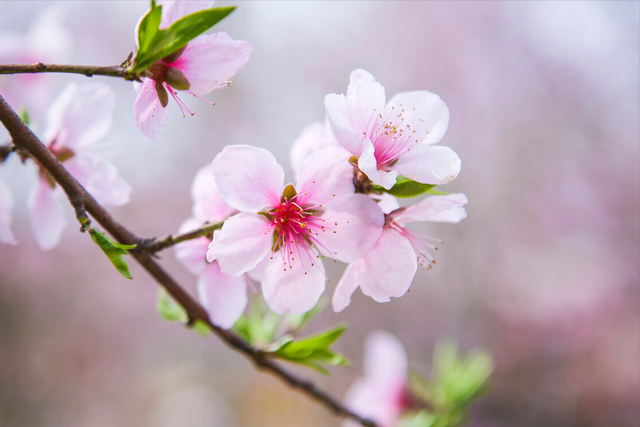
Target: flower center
(297, 231)
(390, 136)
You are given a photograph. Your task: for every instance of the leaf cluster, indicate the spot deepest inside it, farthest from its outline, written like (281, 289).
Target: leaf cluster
(457, 382)
(155, 44)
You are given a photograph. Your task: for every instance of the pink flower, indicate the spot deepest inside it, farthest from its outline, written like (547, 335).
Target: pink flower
(294, 227)
(76, 122)
(206, 63)
(388, 269)
(381, 395)
(224, 296)
(6, 206)
(396, 138)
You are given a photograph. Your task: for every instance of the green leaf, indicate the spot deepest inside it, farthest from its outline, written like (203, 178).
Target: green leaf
(155, 44)
(24, 116)
(201, 328)
(113, 251)
(258, 326)
(420, 419)
(405, 187)
(168, 309)
(313, 351)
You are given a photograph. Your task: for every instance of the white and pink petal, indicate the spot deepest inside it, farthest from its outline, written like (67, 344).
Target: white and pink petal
(425, 112)
(150, 115)
(47, 216)
(325, 179)
(248, 178)
(6, 207)
(223, 296)
(210, 60)
(292, 290)
(435, 165)
(243, 241)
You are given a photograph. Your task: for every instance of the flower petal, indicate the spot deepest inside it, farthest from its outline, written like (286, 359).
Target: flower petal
(47, 216)
(210, 60)
(174, 10)
(385, 357)
(292, 290)
(151, 116)
(386, 202)
(428, 208)
(249, 178)
(192, 253)
(223, 296)
(100, 178)
(325, 179)
(6, 206)
(241, 244)
(346, 287)
(80, 116)
(374, 400)
(429, 164)
(312, 138)
(368, 164)
(359, 225)
(389, 267)
(365, 98)
(339, 119)
(208, 205)
(425, 112)
(453, 215)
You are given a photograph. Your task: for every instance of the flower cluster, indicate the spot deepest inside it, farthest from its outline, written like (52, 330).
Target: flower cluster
(280, 233)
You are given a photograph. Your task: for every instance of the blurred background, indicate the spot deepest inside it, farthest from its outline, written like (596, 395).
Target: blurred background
(544, 273)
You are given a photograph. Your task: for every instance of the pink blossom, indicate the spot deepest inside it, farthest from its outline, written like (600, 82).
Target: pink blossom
(393, 139)
(388, 269)
(206, 63)
(294, 227)
(76, 122)
(224, 296)
(6, 206)
(381, 394)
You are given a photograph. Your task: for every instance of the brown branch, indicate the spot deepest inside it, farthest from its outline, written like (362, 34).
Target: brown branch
(154, 245)
(81, 201)
(87, 70)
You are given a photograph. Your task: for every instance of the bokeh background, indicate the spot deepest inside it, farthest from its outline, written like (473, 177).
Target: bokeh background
(544, 273)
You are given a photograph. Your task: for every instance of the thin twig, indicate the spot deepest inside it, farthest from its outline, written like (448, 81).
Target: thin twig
(81, 200)
(157, 244)
(87, 70)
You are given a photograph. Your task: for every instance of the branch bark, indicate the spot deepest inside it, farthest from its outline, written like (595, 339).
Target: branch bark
(81, 200)
(87, 70)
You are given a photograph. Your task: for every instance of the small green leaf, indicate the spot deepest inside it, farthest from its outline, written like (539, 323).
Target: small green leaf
(24, 116)
(420, 419)
(155, 44)
(201, 328)
(405, 187)
(168, 309)
(258, 326)
(313, 351)
(113, 251)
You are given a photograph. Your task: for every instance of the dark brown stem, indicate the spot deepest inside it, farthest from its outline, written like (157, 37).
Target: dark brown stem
(87, 70)
(24, 139)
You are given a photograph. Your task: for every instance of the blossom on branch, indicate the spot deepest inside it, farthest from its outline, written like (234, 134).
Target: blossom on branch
(382, 394)
(223, 296)
(294, 227)
(76, 123)
(388, 269)
(6, 206)
(206, 63)
(396, 138)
